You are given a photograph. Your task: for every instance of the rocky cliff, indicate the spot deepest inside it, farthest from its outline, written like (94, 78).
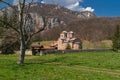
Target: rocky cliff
(55, 15)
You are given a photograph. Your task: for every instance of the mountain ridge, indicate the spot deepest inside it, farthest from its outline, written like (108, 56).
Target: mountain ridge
(56, 11)
(86, 25)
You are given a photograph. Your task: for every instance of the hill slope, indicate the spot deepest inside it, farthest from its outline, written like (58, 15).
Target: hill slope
(85, 24)
(92, 29)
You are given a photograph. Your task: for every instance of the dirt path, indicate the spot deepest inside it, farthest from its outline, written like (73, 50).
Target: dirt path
(89, 69)
(98, 70)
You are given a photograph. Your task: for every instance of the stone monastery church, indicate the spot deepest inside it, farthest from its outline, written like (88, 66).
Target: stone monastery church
(67, 40)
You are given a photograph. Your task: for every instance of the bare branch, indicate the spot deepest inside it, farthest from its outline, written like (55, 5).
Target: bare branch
(7, 3)
(21, 7)
(2, 11)
(28, 8)
(30, 36)
(41, 29)
(29, 5)
(7, 24)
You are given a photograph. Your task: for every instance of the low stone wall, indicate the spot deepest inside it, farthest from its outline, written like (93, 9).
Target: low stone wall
(70, 51)
(28, 52)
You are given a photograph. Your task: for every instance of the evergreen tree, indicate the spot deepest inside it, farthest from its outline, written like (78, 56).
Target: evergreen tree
(116, 39)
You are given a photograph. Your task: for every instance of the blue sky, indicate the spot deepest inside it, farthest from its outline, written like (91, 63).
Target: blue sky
(99, 7)
(104, 7)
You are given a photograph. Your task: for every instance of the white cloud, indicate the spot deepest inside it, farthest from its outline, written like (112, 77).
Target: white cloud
(61, 2)
(27, 1)
(88, 9)
(70, 4)
(42, 2)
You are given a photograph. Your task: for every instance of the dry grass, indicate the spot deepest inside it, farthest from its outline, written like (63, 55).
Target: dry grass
(104, 44)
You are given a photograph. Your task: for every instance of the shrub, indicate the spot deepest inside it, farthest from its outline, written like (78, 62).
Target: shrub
(8, 46)
(68, 46)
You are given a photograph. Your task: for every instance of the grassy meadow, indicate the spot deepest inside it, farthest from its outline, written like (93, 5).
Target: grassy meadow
(67, 66)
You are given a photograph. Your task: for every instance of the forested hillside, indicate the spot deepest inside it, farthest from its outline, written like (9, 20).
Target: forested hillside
(94, 29)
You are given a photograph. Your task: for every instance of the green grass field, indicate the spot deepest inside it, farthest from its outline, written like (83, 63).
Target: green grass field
(68, 66)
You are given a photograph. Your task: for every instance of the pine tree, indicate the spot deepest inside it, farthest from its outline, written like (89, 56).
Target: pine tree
(116, 39)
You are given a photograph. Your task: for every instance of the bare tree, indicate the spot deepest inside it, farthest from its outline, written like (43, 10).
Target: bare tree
(26, 24)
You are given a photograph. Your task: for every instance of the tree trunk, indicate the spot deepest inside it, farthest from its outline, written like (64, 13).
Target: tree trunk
(21, 6)
(22, 52)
